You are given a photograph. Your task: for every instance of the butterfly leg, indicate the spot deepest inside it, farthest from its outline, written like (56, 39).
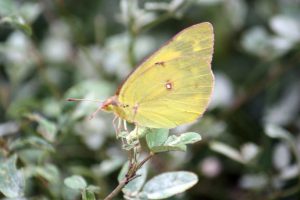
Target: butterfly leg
(92, 116)
(136, 148)
(125, 126)
(117, 126)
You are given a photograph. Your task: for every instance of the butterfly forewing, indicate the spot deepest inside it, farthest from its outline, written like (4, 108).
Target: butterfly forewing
(174, 85)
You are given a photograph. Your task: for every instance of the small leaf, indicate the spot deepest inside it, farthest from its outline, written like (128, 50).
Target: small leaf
(164, 148)
(132, 138)
(75, 182)
(253, 181)
(31, 156)
(49, 172)
(255, 41)
(31, 141)
(259, 42)
(187, 138)
(30, 11)
(88, 195)
(136, 133)
(227, 151)
(7, 7)
(123, 171)
(168, 184)
(286, 26)
(8, 128)
(236, 12)
(209, 2)
(156, 137)
(274, 131)
(18, 22)
(11, 180)
(107, 166)
(46, 128)
(177, 143)
(93, 188)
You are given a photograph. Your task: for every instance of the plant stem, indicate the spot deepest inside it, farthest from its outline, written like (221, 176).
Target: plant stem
(131, 175)
(145, 160)
(116, 191)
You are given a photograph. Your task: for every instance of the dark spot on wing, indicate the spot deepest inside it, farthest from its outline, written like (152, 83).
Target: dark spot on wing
(160, 64)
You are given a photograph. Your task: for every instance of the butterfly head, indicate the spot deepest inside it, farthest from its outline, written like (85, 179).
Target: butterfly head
(110, 104)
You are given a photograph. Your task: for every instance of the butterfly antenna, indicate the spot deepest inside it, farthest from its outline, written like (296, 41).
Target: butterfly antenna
(92, 100)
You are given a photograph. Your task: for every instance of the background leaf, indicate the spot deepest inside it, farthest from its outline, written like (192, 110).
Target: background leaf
(172, 143)
(156, 137)
(11, 179)
(75, 182)
(168, 184)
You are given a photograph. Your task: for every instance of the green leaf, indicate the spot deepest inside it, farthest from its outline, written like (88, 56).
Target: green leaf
(7, 7)
(30, 11)
(286, 26)
(88, 195)
(75, 182)
(31, 141)
(31, 156)
(123, 171)
(11, 180)
(184, 138)
(165, 148)
(18, 22)
(176, 143)
(107, 166)
(274, 131)
(168, 184)
(134, 186)
(133, 137)
(135, 134)
(156, 137)
(49, 172)
(46, 128)
(93, 188)
(227, 151)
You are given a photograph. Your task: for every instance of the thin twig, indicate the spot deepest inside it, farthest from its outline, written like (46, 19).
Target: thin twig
(131, 175)
(116, 191)
(145, 160)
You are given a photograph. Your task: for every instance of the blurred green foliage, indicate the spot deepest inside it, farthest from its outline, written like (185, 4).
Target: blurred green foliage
(52, 50)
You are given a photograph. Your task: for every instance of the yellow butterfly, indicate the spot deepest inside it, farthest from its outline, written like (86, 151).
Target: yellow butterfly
(173, 86)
